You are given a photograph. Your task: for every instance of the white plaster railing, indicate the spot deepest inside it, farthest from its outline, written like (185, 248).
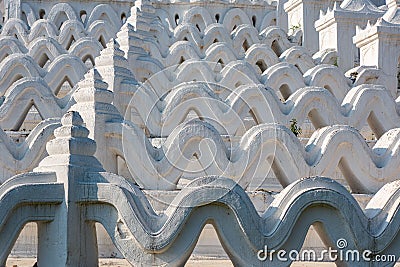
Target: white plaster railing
(25, 93)
(30, 197)
(245, 81)
(52, 49)
(169, 238)
(263, 148)
(274, 74)
(61, 68)
(95, 26)
(187, 37)
(69, 192)
(361, 105)
(23, 157)
(354, 111)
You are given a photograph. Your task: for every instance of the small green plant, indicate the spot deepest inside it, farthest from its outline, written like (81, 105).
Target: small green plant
(295, 128)
(294, 28)
(335, 62)
(353, 76)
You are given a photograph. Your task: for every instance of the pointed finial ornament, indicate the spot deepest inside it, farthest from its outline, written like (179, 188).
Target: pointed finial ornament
(71, 137)
(71, 146)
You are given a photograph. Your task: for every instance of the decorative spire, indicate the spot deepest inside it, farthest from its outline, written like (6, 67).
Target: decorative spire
(392, 3)
(94, 103)
(130, 41)
(71, 146)
(71, 137)
(112, 68)
(93, 99)
(142, 14)
(112, 54)
(92, 88)
(393, 14)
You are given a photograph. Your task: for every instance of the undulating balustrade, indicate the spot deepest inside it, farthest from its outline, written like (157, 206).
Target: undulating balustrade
(43, 56)
(179, 102)
(230, 96)
(216, 96)
(71, 174)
